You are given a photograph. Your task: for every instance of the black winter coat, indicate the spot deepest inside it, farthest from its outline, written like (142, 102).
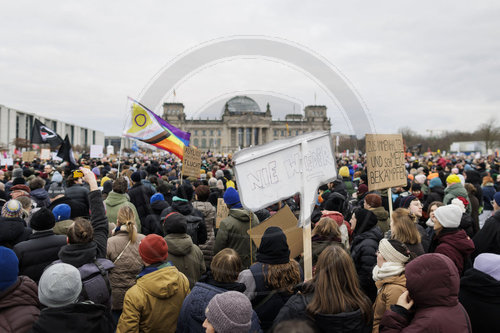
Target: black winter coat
(487, 240)
(152, 223)
(80, 317)
(139, 196)
(78, 209)
(39, 251)
(186, 209)
(363, 252)
(435, 194)
(214, 195)
(480, 296)
(342, 322)
(78, 193)
(13, 230)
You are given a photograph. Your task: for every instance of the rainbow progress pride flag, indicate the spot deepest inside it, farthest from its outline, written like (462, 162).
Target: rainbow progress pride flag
(144, 125)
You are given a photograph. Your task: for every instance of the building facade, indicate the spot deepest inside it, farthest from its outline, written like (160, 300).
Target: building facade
(244, 124)
(15, 124)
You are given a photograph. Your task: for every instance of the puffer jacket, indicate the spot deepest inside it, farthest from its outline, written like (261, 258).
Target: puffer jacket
(153, 304)
(78, 193)
(295, 308)
(19, 306)
(433, 283)
(123, 275)
(41, 197)
(186, 256)
(480, 295)
(383, 219)
(455, 244)
(363, 252)
(233, 234)
(208, 212)
(13, 230)
(388, 292)
(114, 202)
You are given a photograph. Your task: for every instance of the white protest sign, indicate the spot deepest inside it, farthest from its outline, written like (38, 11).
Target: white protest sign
(45, 154)
(96, 151)
(277, 170)
(110, 150)
(55, 157)
(7, 161)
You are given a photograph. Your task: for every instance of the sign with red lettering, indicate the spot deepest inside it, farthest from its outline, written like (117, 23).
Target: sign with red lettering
(385, 161)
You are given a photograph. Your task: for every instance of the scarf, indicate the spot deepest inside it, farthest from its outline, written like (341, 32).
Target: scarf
(388, 269)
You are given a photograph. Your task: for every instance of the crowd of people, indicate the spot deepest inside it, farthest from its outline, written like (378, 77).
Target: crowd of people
(135, 247)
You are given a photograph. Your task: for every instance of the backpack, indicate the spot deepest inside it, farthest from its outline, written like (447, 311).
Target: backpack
(95, 281)
(193, 223)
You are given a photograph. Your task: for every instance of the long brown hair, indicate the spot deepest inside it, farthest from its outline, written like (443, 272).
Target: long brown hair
(336, 285)
(126, 217)
(326, 227)
(283, 277)
(404, 228)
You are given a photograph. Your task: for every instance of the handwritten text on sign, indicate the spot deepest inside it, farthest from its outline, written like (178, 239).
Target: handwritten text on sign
(275, 171)
(385, 161)
(191, 162)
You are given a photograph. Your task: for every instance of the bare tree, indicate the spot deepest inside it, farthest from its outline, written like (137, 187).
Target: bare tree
(489, 132)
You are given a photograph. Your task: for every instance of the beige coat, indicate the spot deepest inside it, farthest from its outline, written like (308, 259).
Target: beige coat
(389, 290)
(208, 212)
(123, 275)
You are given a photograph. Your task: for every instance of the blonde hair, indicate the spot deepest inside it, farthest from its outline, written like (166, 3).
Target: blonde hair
(404, 228)
(126, 217)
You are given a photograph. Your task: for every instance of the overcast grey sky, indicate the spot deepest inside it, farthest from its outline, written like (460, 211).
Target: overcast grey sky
(427, 65)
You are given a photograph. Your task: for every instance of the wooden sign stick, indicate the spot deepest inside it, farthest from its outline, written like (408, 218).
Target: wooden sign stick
(306, 235)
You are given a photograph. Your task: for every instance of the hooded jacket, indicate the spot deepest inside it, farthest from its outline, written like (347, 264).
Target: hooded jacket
(233, 234)
(186, 256)
(41, 197)
(152, 224)
(187, 209)
(433, 283)
(79, 317)
(454, 191)
(19, 306)
(480, 296)
(456, 245)
(382, 217)
(13, 230)
(153, 304)
(122, 276)
(114, 202)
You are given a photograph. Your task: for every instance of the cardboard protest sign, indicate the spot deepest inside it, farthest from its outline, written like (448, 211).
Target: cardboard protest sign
(191, 163)
(96, 151)
(29, 156)
(276, 171)
(385, 161)
(284, 219)
(45, 154)
(222, 212)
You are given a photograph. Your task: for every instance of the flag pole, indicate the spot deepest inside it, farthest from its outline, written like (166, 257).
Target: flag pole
(121, 138)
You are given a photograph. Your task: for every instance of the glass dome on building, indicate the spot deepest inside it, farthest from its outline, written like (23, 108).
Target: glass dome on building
(242, 104)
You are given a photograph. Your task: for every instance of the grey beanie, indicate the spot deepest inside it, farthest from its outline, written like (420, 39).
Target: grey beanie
(60, 285)
(230, 312)
(17, 173)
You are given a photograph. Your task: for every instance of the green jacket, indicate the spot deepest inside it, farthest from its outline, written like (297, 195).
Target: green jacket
(384, 222)
(186, 256)
(113, 203)
(453, 191)
(233, 234)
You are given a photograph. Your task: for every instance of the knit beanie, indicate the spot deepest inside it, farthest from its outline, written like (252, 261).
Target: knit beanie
(60, 285)
(448, 216)
(365, 220)
(219, 174)
(435, 182)
(175, 223)
(57, 177)
(433, 175)
(273, 247)
(420, 179)
(488, 263)
(406, 201)
(20, 187)
(12, 208)
(362, 189)
(344, 172)
(9, 268)
(460, 202)
(17, 173)
(335, 203)
(42, 219)
(136, 177)
(156, 197)
(230, 312)
(61, 212)
(56, 189)
(452, 179)
(153, 249)
(390, 253)
(232, 198)
(107, 186)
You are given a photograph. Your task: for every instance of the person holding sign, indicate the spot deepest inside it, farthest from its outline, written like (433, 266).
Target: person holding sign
(233, 229)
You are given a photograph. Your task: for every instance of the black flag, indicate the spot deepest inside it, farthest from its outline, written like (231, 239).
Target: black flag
(66, 152)
(42, 134)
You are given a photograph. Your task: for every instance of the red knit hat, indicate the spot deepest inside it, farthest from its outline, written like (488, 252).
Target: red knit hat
(153, 249)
